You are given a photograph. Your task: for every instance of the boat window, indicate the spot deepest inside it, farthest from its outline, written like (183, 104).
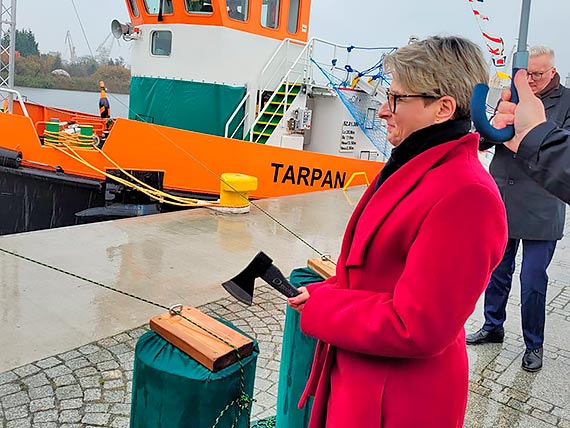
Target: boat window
(199, 6)
(153, 6)
(293, 23)
(161, 43)
(134, 7)
(238, 9)
(270, 13)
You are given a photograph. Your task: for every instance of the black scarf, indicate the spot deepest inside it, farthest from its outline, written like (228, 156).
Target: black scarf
(420, 141)
(552, 86)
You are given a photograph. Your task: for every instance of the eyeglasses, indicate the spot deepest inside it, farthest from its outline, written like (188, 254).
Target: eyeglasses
(393, 98)
(538, 74)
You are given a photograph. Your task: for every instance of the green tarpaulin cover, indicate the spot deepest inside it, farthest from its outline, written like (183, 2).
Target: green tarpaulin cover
(194, 106)
(172, 390)
(296, 360)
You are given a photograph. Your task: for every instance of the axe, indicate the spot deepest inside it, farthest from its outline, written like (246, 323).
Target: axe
(241, 286)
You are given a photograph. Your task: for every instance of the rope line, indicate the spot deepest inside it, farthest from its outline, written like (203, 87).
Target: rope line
(203, 166)
(375, 134)
(243, 400)
(82, 29)
(218, 177)
(143, 187)
(210, 171)
(80, 277)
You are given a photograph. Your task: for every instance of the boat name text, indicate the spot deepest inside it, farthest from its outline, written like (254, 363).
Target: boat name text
(308, 176)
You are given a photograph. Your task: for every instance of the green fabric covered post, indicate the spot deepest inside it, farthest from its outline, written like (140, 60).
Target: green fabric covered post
(296, 360)
(172, 390)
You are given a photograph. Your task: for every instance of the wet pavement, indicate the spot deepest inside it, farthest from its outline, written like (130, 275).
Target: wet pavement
(502, 395)
(85, 380)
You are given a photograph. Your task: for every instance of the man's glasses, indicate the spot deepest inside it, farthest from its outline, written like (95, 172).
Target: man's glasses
(538, 74)
(393, 98)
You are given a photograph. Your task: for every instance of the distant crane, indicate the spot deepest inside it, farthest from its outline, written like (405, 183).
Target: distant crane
(71, 47)
(104, 49)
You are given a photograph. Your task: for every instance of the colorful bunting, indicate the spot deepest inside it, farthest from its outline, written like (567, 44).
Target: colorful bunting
(499, 61)
(495, 44)
(479, 15)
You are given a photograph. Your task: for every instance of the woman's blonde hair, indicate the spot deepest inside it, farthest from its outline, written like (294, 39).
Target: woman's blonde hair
(440, 66)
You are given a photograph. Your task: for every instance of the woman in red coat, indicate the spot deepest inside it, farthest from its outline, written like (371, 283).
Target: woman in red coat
(416, 255)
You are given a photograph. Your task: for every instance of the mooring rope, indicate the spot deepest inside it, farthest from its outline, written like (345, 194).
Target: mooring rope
(243, 400)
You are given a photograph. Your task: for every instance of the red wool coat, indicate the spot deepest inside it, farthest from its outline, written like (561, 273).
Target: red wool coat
(416, 256)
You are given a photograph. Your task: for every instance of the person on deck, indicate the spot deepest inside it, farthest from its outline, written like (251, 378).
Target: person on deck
(535, 217)
(104, 106)
(194, 5)
(233, 11)
(417, 254)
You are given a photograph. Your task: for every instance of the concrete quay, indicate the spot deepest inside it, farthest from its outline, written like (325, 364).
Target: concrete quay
(67, 346)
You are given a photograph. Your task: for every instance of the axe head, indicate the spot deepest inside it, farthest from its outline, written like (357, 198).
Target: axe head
(241, 285)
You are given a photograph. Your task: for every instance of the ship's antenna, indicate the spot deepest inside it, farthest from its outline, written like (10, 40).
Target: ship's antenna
(82, 29)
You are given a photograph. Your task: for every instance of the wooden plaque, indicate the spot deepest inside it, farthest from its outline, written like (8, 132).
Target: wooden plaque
(209, 351)
(325, 268)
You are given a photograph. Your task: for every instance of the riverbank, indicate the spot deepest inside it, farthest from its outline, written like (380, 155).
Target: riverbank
(50, 72)
(82, 101)
(85, 84)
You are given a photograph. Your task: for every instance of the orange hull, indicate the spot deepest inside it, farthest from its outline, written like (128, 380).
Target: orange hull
(192, 162)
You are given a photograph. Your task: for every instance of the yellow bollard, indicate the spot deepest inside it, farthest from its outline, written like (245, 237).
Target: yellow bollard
(235, 188)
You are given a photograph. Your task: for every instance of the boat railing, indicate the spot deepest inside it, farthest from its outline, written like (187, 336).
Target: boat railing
(271, 79)
(328, 55)
(234, 114)
(292, 79)
(283, 72)
(299, 70)
(13, 92)
(278, 64)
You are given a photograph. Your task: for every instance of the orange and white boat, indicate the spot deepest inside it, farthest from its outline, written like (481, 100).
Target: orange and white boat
(218, 87)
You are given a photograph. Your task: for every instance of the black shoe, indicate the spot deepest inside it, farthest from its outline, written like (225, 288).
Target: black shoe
(484, 336)
(532, 360)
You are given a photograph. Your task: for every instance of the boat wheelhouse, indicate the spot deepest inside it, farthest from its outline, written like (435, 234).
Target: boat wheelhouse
(220, 86)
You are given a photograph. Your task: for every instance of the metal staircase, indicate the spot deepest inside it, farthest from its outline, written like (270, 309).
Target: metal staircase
(273, 114)
(283, 77)
(290, 74)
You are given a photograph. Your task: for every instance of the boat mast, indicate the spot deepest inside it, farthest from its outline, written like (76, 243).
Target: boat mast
(7, 52)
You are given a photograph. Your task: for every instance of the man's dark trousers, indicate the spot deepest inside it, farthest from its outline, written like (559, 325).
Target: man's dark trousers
(534, 279)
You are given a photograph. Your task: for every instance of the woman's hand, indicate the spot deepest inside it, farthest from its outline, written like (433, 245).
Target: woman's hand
(298, 302)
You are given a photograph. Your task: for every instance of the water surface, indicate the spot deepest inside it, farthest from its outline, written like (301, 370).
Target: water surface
(86, 102)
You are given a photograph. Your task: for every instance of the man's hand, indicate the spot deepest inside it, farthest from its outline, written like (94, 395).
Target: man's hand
(298, 302)
(526, 115)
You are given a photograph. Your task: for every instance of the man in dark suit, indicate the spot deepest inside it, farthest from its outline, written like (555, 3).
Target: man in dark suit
(535, 217)
(544, 146)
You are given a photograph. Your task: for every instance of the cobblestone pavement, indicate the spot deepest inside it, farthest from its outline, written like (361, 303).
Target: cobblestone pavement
(90, 386)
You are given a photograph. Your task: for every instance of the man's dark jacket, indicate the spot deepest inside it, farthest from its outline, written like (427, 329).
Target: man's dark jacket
(532, 212)
(546, 150)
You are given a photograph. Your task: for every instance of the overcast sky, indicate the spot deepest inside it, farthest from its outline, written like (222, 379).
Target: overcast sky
(354, 22)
